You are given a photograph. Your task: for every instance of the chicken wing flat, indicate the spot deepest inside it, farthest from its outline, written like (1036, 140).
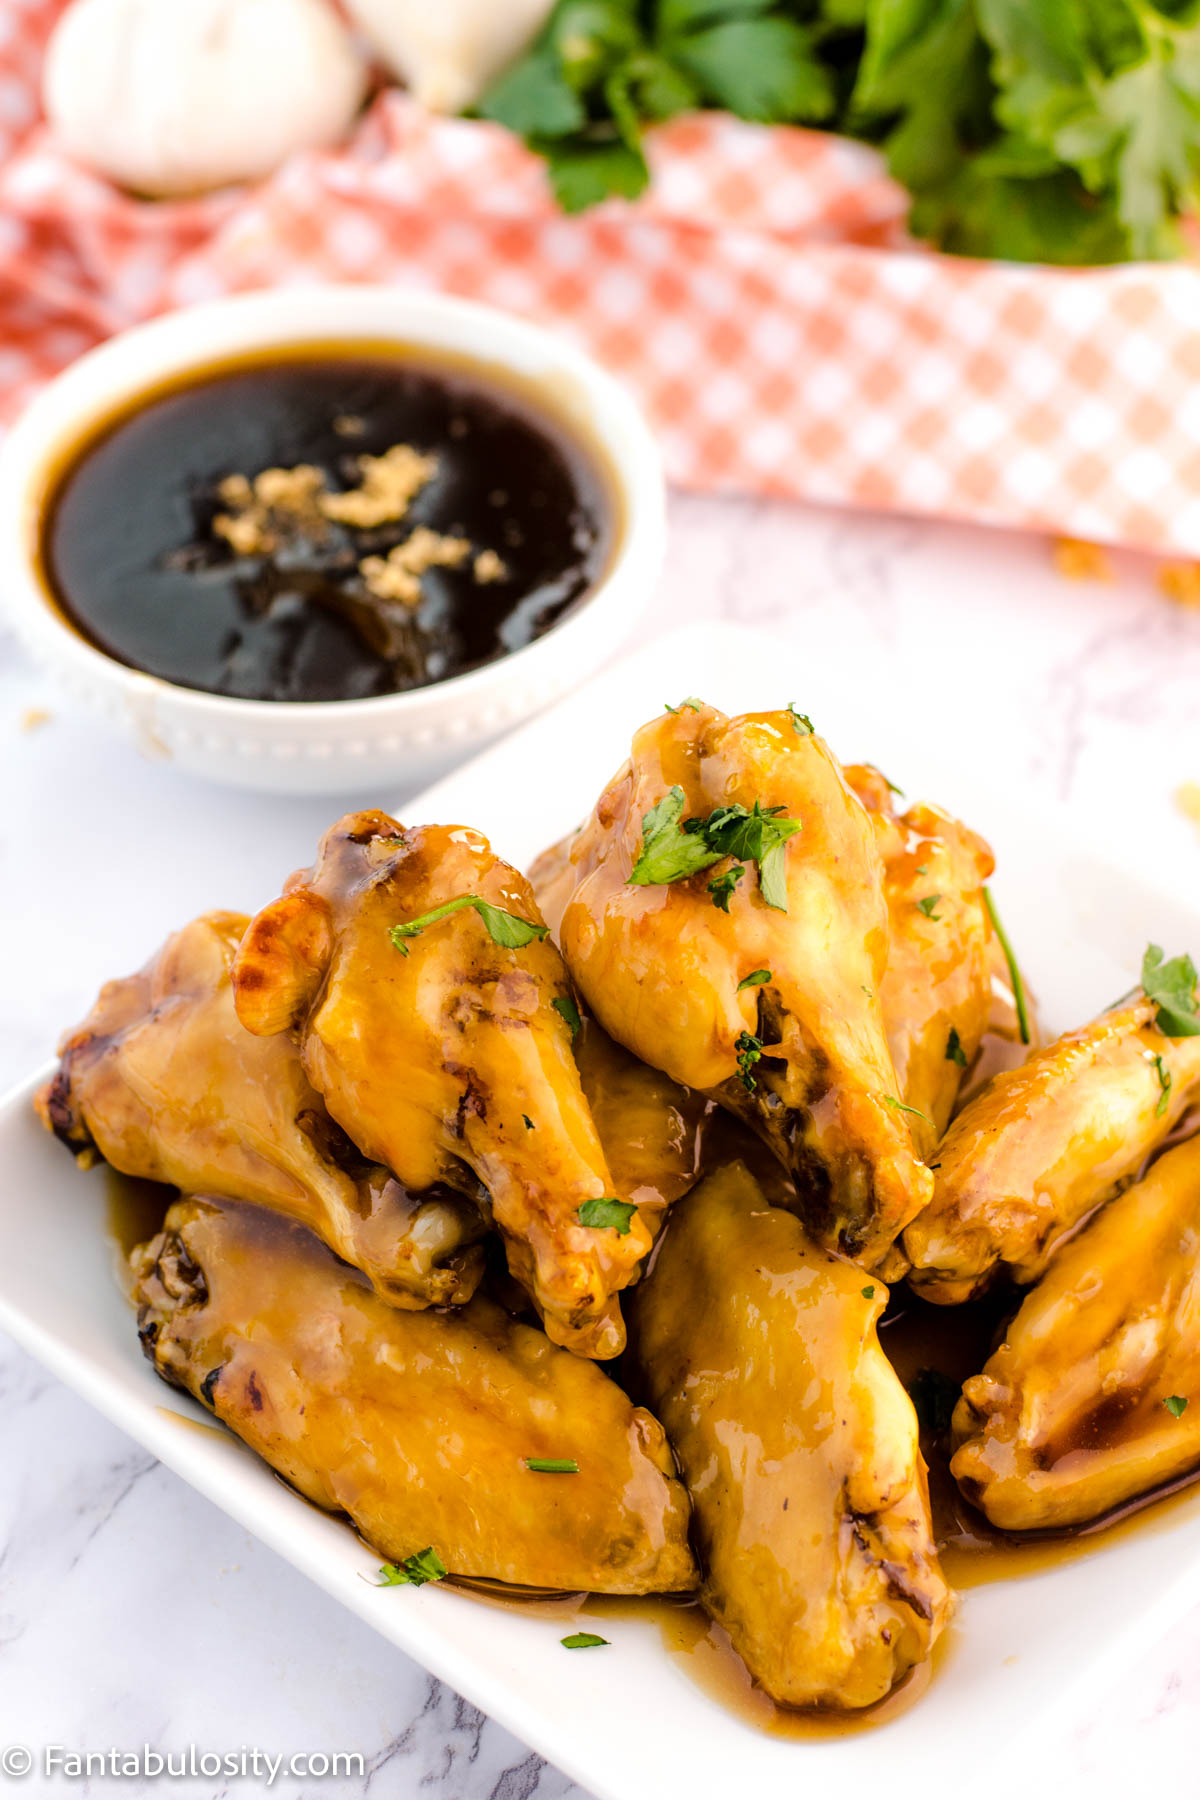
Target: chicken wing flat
(936, 992)
(163, 1081)
(798, 1444)
(436, 1020)
(756, 985)
(1094, 1396)
(418, 1425)
(1042, 1145)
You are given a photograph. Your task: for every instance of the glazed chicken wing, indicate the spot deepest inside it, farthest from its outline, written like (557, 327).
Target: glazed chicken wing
(1042, 1145)
(936, 992)
(419, 1426)
(163, 1081)
(446, 1053)
(798, 1444)
(1094, 1395)
(758, 985)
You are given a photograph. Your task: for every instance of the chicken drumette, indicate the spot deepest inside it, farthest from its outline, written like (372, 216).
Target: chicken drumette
(420, 1426)
(798, 1444)
(1094, 1395)
(163, 1081)
(936, 992)
(436, 1021)
(728, 924)
(1042, 1145)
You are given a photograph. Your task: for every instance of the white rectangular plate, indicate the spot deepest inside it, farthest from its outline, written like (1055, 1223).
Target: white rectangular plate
(627, 1722)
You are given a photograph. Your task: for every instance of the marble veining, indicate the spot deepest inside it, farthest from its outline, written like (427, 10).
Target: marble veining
(131, 1610)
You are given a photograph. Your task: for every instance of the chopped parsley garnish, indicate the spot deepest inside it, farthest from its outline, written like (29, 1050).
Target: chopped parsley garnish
(1172, 988)
(954, 1050)
(1164, 1086)
(934, 1396)
(802, 725)
(756, 978)
(690, 701)
(922, 868)
(1014, 973)
(721, 886)
(749, 1049)
(599, 1214)
(503, 927)
(673, 850)
(414, 1571)
(528, 1121)
(868, 1293)
(552, 1465)
(928, 904)
(887, 784)
(902, 1106)
(567, 1009)
(1176, 1405)
(582, 1640)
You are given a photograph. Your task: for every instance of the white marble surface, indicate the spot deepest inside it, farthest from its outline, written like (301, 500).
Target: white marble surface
(131, 1610)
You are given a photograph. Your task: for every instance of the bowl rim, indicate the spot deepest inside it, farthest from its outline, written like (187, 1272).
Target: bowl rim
(140, 358)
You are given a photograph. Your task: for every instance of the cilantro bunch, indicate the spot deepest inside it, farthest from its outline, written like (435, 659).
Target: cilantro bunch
(1060, 131)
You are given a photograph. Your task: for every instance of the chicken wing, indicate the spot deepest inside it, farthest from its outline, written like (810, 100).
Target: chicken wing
(760, 989)
(437, 1021)
(419, 1426)
(1094, 1395)
(798, 1444)
(165, 1084)
(936, 992)
(1042, 1145)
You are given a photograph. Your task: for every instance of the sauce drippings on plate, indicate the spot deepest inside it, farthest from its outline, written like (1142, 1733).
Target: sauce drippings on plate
(325, 528)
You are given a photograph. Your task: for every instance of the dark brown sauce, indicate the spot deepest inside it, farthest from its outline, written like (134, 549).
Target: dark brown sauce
(132, 557)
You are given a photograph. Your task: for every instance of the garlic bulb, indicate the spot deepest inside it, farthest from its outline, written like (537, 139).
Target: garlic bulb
(448, 51)
(173, 96)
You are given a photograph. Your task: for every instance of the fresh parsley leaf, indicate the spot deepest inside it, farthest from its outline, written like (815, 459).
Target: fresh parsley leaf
(551, 1465)
(600, 1214)
(759, 836)
(535, 99)
(584, 171)
(868, 1293)
(928, 904)
(669, 853)
(425, 1565)
(565, 1006)
(901, 1106)
(1164, 1085)
(954, 1049)
(1172, 988)
(934, 1396)
(529, 1126)
(756, 978)
(582, 1640)
(1014, 973)
(690, 701)
(802, 725)
(721, 886)
(765, 69)
(503, 928)
(1176, 1405)
(749, 1051)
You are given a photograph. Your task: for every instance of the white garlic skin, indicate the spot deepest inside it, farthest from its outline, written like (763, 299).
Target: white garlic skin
(171, 97)
(449, 51)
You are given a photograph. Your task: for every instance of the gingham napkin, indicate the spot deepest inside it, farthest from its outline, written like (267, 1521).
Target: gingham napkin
(763, 301)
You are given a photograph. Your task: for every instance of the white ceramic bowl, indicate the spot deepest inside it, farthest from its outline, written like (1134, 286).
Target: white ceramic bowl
(399, 741)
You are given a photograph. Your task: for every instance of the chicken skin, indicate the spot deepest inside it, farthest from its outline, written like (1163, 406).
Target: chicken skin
(418, 1425)
(936, 992)
(1094, 1396)
(163, 1082)
(757, 985)
(436, 1021)
(1042, 1145)
(759, 1352)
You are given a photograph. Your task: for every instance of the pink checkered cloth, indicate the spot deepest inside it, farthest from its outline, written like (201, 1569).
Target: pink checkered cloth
(763, 301)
